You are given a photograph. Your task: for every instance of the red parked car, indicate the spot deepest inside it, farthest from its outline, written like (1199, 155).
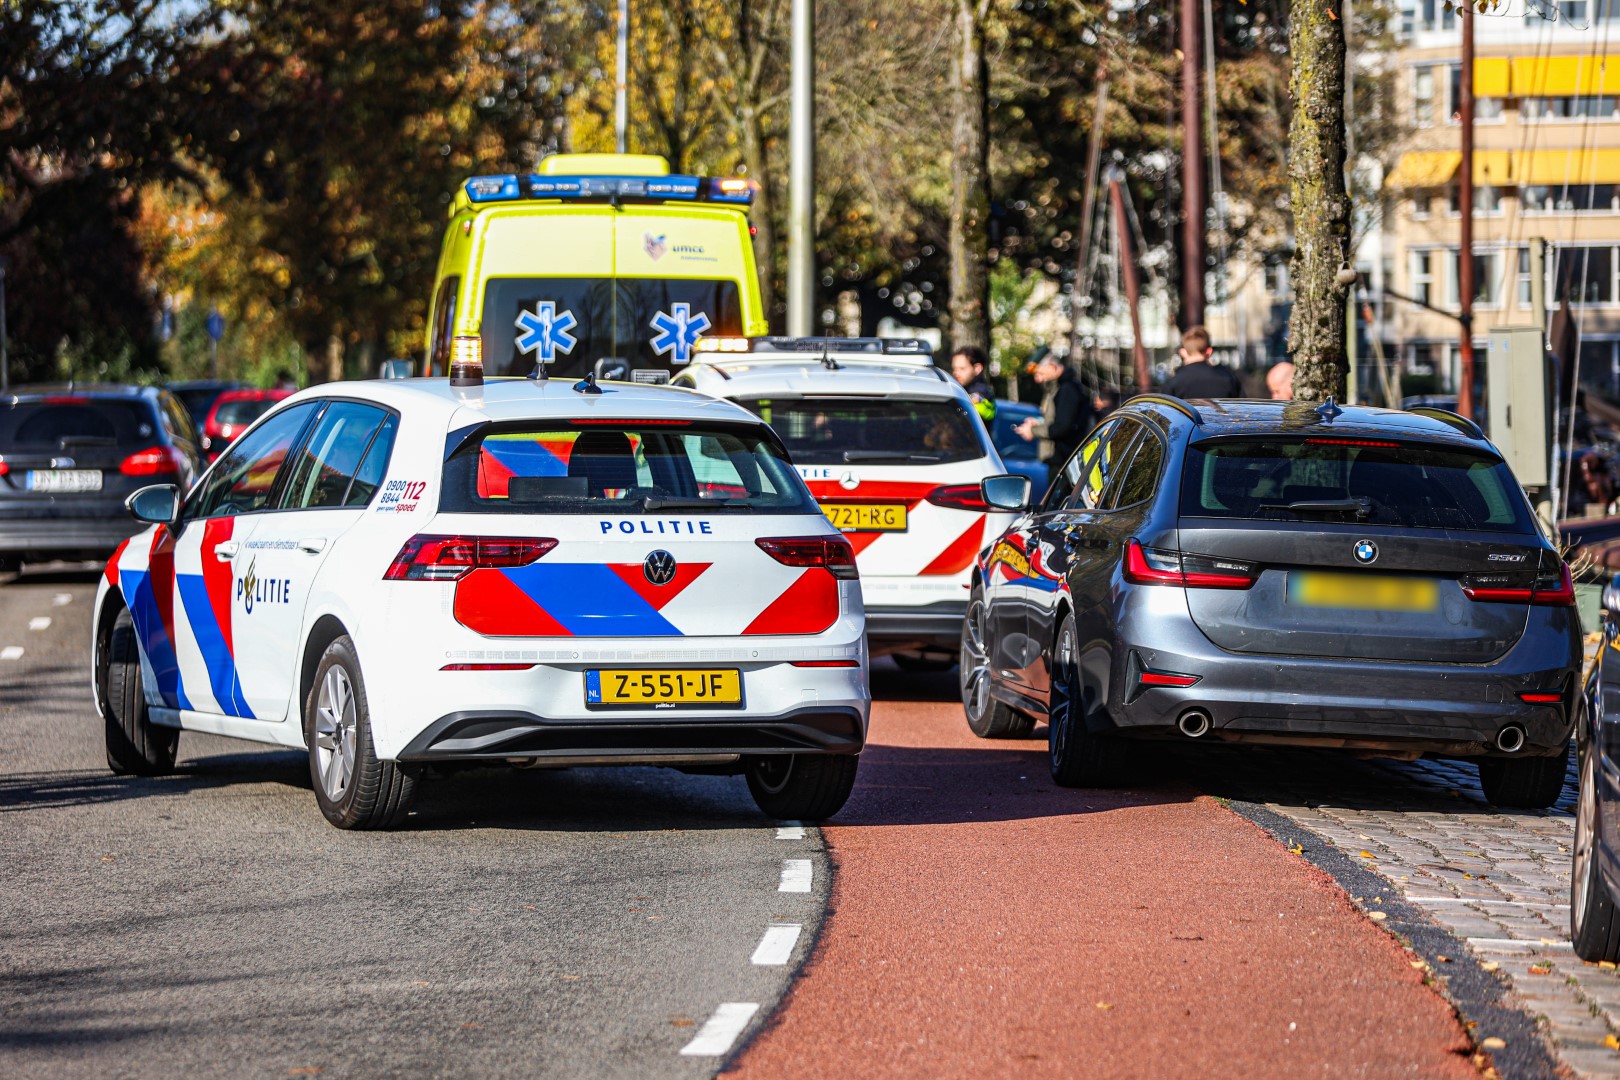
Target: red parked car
(233, 411)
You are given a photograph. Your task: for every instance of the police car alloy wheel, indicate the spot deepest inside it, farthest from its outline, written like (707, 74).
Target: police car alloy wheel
(354, 789)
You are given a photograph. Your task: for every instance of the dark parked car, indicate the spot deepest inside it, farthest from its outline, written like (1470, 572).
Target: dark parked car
(199, 395)
(1595, 880)
(1020, 455)
(1273, 572)
(71, 455)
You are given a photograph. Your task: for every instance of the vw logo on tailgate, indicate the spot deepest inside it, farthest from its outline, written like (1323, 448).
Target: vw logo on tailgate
(659, 567)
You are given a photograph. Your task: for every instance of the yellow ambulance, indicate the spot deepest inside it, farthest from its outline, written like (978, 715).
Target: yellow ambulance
(598, 262)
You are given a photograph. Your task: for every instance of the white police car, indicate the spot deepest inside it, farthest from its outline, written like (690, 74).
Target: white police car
(893, 450)
(398, 573)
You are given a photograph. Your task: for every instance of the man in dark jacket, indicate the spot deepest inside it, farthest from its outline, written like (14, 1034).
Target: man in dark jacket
(1198, 377)
(1065, 411)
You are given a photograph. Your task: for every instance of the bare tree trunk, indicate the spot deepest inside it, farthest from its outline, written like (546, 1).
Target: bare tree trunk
(1316, 151)
(970, 181)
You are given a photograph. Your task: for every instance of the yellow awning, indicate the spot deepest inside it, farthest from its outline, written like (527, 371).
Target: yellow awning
(1493, 167)
(1567, 166)
(1561, 76)
(1424, 169)
(1491, 77)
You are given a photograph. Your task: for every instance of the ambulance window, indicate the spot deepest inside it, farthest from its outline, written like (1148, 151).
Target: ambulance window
(375, 465)
(244, 478)
(444, 322)
(331, 456)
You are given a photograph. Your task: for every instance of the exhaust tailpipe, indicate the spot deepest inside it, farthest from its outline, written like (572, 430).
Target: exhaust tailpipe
(1510, 740)
(1194, 723)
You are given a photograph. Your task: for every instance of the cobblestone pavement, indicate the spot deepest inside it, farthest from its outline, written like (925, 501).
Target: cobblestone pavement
(1498, 880)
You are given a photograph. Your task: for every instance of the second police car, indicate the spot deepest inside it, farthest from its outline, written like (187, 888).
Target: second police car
(894, 453)
(392, 574)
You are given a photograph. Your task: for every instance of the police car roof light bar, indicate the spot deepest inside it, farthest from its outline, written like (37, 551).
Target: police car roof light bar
(511, 188)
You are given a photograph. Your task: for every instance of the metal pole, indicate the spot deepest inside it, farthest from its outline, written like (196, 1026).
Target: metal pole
(1538, 282)
(5, 355)
(801, 270)
(621, 95)
(1132, 288)
(1465, 213)
(1193, 224)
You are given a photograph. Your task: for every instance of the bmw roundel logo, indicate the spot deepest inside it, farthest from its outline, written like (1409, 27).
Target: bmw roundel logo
(1366, 551)
(659, 567)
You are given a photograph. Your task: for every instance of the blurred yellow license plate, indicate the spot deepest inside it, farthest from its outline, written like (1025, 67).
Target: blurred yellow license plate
(866, 517)
(667, 686)
(1359, 592)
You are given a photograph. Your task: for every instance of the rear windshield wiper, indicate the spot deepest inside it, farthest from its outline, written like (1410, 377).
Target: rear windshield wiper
(1362, 508)
(852, 456)
(677, 502)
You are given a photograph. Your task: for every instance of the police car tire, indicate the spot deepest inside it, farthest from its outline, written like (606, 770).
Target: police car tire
(379, 793)
(135, 745)
(812, 787)
(1532, 783)
(1594, 921)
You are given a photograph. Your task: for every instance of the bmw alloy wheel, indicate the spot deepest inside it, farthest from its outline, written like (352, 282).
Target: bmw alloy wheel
(1586, 814)
(335, 731)
(975, 660)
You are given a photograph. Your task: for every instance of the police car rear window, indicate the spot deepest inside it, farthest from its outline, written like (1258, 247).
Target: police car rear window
(659, 466)
(844, 431)
(571, 323)
(1375, 481)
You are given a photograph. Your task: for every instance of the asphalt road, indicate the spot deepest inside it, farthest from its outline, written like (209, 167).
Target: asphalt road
(564, 923)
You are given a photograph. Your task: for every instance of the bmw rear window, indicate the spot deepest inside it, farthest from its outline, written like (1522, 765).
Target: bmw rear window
(845, 431)
(48, 424)
(623, 468)
(1380, 482)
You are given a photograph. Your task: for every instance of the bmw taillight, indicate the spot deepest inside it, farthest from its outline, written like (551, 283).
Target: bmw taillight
(1552, 588)
(447, 558)
(832, 553)
(1155, 566)
(959, 497)
(153, 461)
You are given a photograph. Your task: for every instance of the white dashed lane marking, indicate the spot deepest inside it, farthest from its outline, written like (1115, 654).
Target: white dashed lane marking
(790, 832)
(40, 622)
(62, 599)
(717, 1034)
(11, 652)
(776, 946)
(795, 876)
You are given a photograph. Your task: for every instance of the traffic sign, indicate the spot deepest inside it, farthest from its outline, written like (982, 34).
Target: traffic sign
(215, 325)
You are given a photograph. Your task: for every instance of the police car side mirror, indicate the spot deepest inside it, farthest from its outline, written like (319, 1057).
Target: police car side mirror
(156, 505)
(1006, 492)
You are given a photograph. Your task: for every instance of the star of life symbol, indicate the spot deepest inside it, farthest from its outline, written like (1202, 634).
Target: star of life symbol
(545, 332)
(678, 331)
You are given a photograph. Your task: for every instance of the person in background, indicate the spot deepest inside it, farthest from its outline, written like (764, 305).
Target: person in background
(1103, 402)
(1198, 376)
(968, 365)
(1065, 411)
(1280, 381)
(285, 381)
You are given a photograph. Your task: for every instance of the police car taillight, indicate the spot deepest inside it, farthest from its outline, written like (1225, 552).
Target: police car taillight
(832, 553)
(447, 558)
(959, 497)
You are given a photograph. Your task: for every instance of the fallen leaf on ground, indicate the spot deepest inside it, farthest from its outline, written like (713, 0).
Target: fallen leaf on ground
(1104, 1005)
(1489, 965)
(1606, 964)
(1377, 916)
(1611, 1042)
(1367, 855)
(1493, 1043)
(1541, 969)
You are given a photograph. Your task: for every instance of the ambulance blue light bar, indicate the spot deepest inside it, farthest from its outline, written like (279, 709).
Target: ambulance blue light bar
(509, 188)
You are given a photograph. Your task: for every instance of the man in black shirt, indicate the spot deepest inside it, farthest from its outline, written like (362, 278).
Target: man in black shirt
(1065, 411)
(1198, 377)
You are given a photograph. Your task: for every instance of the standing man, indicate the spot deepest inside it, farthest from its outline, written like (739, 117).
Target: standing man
(967, 365)
(1065, 411)
(1198, 376)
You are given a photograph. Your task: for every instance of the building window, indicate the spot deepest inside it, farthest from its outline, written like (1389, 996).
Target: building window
(1487, 199)
(1586, 274)
(1575, 199)
(1567, 11)
(1276, 271)
(1421, 359)
(1522, 278)
(1423, 96)
(1422, 277)
(1486, 269)
(1580, 107)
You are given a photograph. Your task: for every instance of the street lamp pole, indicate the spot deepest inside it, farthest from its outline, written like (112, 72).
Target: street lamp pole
(1465, 214)
(5, 355)
(801, 270)
(621, 89)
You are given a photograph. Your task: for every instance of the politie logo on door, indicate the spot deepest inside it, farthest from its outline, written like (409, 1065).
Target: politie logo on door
(252, 590)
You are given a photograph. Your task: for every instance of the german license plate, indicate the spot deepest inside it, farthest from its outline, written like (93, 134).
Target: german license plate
(64, 480)
(1363, 592)
(663, 686)
(866, 517)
